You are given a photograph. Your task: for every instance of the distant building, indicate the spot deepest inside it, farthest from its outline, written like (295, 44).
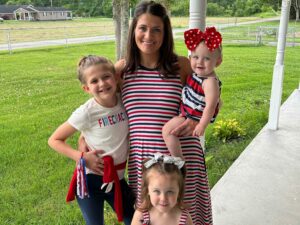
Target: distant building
(29, 12)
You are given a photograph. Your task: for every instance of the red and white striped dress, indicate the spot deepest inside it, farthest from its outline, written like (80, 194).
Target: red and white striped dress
(150, 101)
(182, 220)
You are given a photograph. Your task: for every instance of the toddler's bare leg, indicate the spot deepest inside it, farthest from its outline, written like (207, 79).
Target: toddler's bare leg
(172, 141)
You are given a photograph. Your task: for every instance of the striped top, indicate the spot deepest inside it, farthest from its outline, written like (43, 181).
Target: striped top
(150, 100)
(193, 98)
(182, 221)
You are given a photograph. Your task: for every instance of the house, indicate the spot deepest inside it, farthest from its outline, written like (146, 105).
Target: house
(29, 12)
(7, 11)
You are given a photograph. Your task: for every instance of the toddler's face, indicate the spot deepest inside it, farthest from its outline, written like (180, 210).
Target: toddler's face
(203, 61)
(102, 84)
(163, 190)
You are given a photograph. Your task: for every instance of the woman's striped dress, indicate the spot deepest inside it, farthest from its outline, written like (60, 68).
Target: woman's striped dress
(150, 101)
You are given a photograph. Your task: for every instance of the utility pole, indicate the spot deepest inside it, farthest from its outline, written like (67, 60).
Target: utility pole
(51, 3)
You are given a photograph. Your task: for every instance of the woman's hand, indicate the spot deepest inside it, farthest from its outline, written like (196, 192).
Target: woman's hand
(94, 161)
(185, 129)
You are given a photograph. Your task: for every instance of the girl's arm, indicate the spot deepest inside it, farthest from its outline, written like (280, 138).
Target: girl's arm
(137, 218)
(57, 141)
(212, 93)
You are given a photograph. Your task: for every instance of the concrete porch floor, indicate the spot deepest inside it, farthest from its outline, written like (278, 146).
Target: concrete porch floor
(262, 187)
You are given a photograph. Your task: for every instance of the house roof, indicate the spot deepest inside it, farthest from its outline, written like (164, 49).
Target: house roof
(30, 8)
(8, 8)
(50, 9)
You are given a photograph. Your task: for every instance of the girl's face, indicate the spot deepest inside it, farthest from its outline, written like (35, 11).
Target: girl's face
(163, 191)
(203, 61)
(149, 34)
(102, 84)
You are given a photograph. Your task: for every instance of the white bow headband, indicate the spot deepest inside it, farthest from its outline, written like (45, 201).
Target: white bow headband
(177, 161)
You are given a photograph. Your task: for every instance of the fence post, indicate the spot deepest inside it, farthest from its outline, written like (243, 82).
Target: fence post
(66, 36)
(294, 36)
(259, 36)
(8, 41)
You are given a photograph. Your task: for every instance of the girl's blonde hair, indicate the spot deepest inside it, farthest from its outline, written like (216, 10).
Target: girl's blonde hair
(92, 60)
(163, 169)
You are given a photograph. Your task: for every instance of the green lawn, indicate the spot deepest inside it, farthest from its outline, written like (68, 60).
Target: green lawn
(39, 90)
(26, 31)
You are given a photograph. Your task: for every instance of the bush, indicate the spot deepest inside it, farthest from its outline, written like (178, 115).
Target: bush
(227, 130)
(213, 9)
(181, 8)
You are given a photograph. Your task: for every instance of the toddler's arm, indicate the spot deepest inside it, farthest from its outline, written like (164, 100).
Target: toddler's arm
(212, 93)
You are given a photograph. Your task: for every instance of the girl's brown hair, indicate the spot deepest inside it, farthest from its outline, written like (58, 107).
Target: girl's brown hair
(164, 169)
(92, 60)
(167, 63)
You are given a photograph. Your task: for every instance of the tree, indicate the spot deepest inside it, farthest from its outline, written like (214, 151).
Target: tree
(124, 26)
(117, 22)
(121, 21)
(295, 9)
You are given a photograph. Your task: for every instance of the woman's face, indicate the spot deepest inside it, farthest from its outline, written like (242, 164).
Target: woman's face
(149, 34)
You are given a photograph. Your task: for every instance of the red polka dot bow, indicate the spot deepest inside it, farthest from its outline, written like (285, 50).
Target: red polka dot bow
(211, 37)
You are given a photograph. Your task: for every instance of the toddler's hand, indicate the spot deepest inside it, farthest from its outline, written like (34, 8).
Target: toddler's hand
(198, 131)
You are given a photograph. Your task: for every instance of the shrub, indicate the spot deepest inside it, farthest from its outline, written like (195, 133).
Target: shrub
(227, 130)
(213, 9)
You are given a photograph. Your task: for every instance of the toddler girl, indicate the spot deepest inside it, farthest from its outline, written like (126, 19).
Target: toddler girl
(162, 193)
(201, 94)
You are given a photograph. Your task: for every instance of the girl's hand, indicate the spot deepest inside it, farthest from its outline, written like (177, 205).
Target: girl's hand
(185, 129)
(94, 161)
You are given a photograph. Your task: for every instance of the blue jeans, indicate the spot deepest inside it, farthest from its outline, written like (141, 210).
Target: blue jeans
(92, 208)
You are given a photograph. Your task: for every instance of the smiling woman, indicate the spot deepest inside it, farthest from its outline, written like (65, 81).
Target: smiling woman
(153, 76)
(149, 35)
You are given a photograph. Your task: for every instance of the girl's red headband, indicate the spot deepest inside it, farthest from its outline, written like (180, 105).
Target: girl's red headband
(211, 37)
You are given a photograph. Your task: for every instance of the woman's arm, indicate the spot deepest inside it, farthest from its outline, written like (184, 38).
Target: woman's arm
(189, 220)
(137, 218)
(119, 66)
(57, 141)
(187, 127)
(185, 68)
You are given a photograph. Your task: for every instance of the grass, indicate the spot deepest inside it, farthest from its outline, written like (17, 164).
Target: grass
(39, 90)
(25, 31)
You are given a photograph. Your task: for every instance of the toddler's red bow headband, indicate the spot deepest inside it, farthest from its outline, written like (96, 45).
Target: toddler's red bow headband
(211, 36)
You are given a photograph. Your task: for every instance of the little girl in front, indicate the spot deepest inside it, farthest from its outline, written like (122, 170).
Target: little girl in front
(201, 94)
(103, 123)
(162, 193)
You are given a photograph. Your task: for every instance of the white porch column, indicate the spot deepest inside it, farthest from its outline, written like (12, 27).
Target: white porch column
(278, 70)
(197, 20)
(197, 14)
